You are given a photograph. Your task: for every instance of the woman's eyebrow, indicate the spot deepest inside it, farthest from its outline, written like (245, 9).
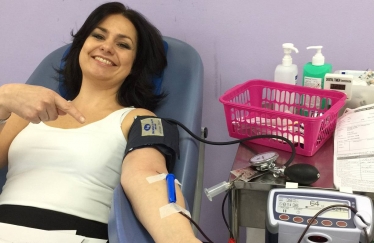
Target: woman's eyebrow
(121, 36)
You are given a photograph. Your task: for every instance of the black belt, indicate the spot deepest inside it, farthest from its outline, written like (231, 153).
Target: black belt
(51, 220)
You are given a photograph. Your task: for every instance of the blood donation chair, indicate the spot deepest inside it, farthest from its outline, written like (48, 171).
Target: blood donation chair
(182, 79)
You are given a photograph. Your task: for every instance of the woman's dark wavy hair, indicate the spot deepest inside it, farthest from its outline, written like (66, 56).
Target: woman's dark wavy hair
(137, 89)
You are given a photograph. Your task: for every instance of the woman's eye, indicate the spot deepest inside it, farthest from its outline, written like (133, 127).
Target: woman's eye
(97, 36)
(124, 45)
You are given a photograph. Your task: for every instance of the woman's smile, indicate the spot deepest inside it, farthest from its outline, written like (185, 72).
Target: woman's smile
(104, 61)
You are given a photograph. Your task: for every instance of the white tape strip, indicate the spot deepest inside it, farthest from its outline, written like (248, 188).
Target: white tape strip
(176, 181)
(155, 178)
(172, 208)
(159, 177)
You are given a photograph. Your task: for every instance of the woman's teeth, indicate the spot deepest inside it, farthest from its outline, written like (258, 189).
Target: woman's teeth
(103, 60)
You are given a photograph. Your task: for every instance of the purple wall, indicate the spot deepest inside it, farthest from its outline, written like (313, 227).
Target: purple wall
(237, 40)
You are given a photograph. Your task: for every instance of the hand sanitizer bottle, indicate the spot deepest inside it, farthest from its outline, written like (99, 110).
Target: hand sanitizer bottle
(286, 72)
(314, 72)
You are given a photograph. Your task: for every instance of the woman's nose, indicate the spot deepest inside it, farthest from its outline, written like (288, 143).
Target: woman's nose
(107, 47)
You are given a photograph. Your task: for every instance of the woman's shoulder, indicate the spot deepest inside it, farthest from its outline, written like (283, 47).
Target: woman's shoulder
(141, 112)
(129, 119)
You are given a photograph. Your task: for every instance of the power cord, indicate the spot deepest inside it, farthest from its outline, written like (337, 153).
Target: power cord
(325, 209)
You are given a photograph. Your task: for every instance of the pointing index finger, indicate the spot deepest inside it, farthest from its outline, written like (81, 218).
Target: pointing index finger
(69, 108)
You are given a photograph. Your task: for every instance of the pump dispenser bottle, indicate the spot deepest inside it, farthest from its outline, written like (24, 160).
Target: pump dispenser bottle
(314, 72)
(286, 72)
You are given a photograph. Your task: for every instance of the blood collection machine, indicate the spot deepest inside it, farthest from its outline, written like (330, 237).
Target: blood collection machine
(290, 211)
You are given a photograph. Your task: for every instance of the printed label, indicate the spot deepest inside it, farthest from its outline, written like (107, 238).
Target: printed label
(152, 127)
(313, 82)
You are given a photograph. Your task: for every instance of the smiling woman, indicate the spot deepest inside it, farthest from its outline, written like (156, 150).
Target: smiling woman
(109, 53)
(66, 181)
(149, 60)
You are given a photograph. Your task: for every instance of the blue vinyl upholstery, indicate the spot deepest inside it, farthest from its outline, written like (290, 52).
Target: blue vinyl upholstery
(183, 81)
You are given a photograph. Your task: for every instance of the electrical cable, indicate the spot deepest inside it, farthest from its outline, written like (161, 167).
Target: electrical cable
(197, 226)
(325, 209)
(223, 214)
(293, 150)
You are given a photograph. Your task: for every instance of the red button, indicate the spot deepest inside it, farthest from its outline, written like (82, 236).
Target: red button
(284, 217)
(341, 224)
(314, 222)
(327, 222)
(298, 219)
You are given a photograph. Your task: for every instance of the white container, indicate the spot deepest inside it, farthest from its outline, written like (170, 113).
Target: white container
(286, 72)
(362, 94)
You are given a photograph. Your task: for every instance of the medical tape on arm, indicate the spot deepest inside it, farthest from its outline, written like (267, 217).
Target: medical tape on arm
(172, 207)
(159, 177)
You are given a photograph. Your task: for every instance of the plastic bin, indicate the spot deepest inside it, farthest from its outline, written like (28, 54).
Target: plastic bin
(306, 116)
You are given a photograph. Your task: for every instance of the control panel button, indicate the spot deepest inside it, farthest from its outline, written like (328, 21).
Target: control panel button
(341, 224)
(314, 221)
(326, 222)
(284, 217)
(298, 220)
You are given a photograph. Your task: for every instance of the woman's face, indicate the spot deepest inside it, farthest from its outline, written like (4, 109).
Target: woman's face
(109, 51)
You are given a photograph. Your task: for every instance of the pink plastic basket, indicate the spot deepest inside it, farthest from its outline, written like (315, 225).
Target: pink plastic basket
(306, 116)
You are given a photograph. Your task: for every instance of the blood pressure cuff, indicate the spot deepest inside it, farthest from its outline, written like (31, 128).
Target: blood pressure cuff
(150, 131)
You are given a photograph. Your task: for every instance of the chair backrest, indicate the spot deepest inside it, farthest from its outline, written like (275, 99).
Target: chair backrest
(182, 80)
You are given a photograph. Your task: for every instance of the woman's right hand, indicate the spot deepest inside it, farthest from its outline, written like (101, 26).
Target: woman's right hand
(35, 103)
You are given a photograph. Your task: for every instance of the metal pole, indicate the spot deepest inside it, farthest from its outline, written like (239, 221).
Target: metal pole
(199, 181)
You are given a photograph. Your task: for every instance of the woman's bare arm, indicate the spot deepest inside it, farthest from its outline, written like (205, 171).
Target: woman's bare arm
(147, 199)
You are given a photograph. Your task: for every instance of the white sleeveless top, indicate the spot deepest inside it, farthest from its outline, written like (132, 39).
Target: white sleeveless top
(73, 171)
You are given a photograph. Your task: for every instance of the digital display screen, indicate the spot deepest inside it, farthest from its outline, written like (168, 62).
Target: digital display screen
(309, 206)
(337, 86)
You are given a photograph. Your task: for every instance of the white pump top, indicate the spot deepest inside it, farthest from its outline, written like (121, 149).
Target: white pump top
(318, 58)
(288, 48)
